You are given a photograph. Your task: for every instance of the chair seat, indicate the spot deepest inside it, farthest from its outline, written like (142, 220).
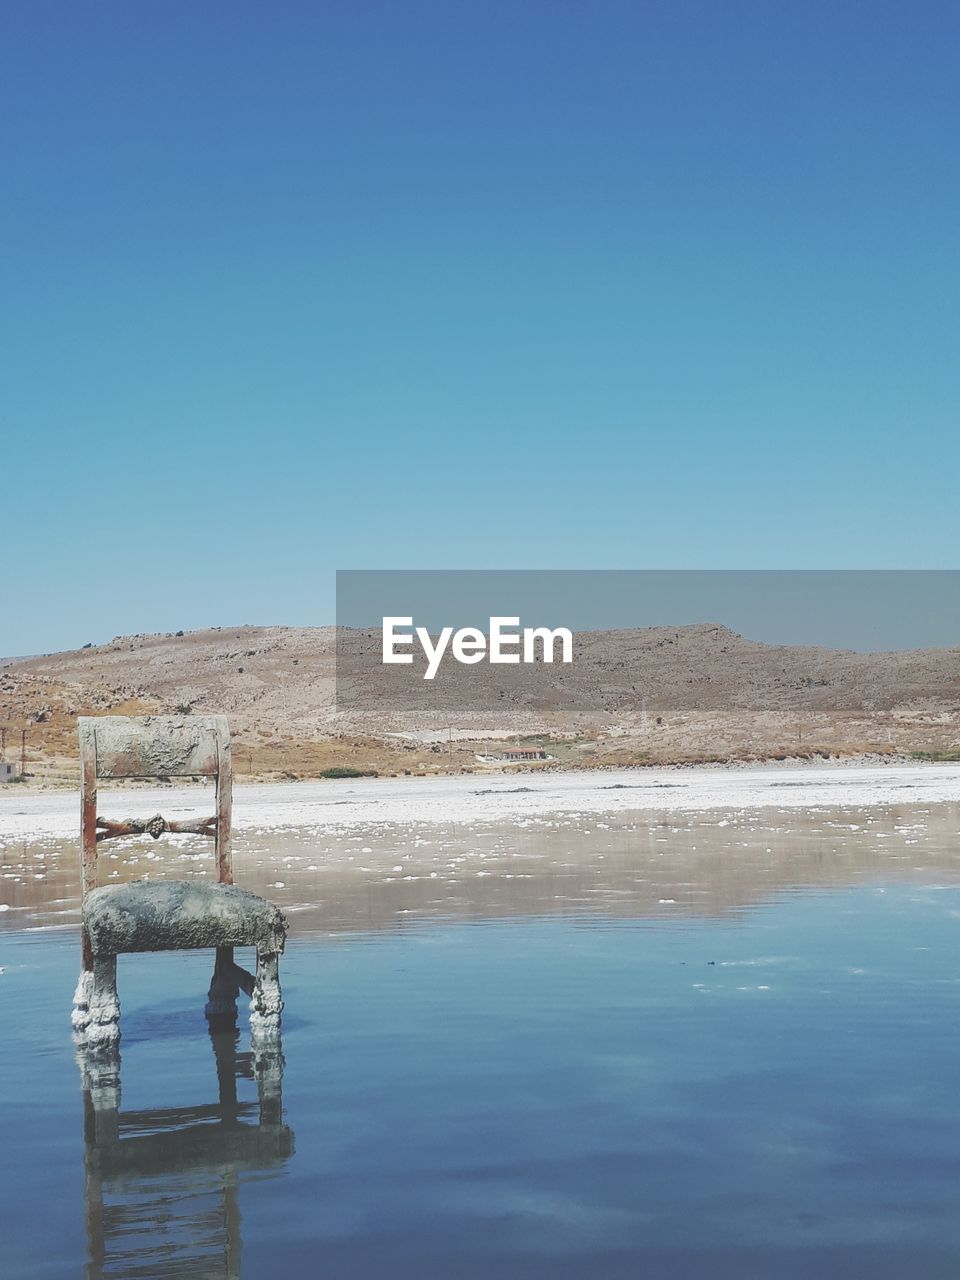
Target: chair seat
(175, 915)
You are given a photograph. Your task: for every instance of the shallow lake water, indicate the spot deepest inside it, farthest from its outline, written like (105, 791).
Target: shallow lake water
(650, 1044)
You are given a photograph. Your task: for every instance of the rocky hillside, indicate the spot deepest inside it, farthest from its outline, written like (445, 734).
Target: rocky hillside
(658, 694)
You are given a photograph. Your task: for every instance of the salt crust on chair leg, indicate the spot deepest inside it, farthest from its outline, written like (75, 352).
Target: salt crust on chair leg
(98, 1025)
(80, 1017)
(267, 1003)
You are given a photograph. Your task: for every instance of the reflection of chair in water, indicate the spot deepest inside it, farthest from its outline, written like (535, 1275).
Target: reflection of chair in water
(174, 914)
(161, 1186)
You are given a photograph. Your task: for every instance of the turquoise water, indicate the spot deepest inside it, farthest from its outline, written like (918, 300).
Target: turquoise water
(765, 1094)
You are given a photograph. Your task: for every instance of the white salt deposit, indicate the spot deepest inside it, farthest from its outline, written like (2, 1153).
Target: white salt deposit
(336, 805)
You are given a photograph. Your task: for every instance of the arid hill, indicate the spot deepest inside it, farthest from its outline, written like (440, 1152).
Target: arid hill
(656, 694)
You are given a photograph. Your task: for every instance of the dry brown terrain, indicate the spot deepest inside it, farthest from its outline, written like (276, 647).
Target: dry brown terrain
(655, 695)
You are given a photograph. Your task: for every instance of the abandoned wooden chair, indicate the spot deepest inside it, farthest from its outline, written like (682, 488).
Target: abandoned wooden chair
(168, 915)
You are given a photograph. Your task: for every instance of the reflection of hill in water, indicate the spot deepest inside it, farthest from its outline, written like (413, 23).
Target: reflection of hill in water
(620, 866)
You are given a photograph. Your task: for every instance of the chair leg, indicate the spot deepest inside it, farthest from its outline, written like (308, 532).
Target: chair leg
(221, 1006)
(267, 1003)
(96, 1006)
(80, 1017)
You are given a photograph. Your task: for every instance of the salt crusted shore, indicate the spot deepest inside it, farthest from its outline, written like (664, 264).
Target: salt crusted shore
(364, 802)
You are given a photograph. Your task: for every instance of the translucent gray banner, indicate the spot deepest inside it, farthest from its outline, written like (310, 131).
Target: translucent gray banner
(489, 648)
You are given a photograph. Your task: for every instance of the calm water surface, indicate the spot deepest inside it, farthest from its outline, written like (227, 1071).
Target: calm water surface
(659, 1049)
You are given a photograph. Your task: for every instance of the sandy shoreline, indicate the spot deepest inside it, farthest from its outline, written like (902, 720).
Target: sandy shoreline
(326, 805)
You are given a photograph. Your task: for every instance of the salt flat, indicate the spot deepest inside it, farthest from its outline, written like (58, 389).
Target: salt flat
(322, 805)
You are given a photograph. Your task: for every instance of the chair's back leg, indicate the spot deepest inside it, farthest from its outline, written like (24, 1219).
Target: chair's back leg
(222, 996)
(83, 998)
(224, 811)
(221, 1007)
(88, 830)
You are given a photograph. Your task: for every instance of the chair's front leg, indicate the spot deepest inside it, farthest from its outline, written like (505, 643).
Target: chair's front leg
(80, 1017)
(267, 1003)
(97, 1025)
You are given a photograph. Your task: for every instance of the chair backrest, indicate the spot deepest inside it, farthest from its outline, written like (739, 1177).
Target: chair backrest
(154, 747)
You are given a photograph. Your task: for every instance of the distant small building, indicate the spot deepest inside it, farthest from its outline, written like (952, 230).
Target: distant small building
(8, 771)
(514, 755)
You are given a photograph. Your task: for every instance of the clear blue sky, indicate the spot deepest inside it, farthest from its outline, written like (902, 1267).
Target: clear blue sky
(290, 287)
